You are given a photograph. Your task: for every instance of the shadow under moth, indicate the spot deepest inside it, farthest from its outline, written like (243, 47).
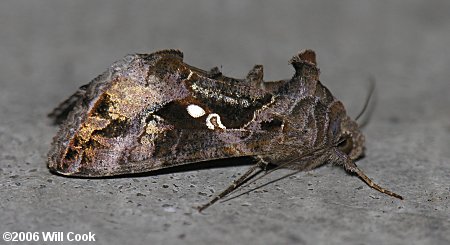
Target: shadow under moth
(153, 111)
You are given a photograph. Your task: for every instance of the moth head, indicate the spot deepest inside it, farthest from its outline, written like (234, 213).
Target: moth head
(346, 134)
(351, 140)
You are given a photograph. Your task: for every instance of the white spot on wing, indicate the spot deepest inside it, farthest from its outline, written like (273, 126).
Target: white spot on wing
(195, 111)
(213, 120)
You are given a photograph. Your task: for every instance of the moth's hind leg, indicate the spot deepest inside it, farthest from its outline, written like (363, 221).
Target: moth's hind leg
(59, 114)
(236, 183)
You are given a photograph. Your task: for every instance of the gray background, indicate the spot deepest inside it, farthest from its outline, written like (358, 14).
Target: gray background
(49, 48)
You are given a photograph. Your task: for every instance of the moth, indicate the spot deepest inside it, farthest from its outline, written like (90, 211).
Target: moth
(153, 111)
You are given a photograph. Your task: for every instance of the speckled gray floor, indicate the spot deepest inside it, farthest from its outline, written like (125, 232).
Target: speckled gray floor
(49, 48)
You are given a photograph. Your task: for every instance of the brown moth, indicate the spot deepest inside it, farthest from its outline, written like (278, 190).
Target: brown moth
(153, 111)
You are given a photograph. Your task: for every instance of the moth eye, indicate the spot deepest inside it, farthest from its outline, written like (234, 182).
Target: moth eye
(345, 144)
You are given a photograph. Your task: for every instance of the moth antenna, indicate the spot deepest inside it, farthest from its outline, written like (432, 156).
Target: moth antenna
(265, 184)
(369, 96)
(374, 185)
(236, 183)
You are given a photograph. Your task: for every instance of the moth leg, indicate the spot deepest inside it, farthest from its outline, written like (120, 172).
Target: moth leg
(59, 114)
(350, 166)
(236, 183)
(263, 164)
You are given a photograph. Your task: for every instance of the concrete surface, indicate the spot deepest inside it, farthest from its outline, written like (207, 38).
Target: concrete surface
(49, 48)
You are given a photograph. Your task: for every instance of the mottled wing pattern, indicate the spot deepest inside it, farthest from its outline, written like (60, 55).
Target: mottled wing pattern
(138, 113)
